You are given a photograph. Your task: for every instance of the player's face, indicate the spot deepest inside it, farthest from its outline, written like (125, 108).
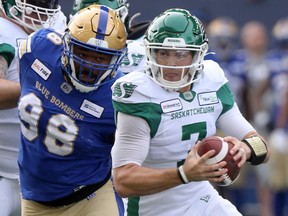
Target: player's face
(86, 68)
(174, 58)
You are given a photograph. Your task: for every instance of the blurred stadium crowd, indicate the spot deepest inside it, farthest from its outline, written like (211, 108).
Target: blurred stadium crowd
(252, 48)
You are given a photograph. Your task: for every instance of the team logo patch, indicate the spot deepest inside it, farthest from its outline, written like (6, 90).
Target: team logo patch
(66, 87)
(132, 59)
(92, 108)
(41, 69)
(207, 98)
(171, 105)
(206, 198)
(188, 96)
(123, 89)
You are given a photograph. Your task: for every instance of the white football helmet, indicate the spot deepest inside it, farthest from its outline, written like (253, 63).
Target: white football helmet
(32, 14)
(178, 31)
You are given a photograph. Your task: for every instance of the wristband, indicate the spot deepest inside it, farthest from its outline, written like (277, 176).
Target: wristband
(258, 149)
(182, 175)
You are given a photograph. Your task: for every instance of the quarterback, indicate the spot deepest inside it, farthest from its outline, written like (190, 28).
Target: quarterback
(161, 116)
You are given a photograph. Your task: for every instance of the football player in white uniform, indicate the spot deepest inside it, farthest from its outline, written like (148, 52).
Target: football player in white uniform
(135, 60)
(161, 116)
(17, 20)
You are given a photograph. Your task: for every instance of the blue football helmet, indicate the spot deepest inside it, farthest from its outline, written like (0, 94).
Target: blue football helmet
(120, 6)
(100, 29)
(223, 37)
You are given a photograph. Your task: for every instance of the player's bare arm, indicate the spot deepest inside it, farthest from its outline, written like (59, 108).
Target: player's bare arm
(127, 178)
(7, 101)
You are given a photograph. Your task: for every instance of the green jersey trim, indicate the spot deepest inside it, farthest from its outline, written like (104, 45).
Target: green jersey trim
(133, 206)
(150, 112)
(226, 97)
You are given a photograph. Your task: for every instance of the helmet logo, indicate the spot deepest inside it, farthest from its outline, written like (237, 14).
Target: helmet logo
(98, 42)
(174, 41)
(66, 87)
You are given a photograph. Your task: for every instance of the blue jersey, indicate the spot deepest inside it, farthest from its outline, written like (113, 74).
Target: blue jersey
(66, 135)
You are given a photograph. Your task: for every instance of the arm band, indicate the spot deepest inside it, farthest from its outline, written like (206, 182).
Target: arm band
(258, 149)
(182, 175)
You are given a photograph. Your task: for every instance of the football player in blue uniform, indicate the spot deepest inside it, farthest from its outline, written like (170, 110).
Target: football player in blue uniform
(67, 117)
(16, 22)
(161, 116)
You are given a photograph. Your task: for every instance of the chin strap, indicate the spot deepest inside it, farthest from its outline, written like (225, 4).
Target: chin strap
(258, 149)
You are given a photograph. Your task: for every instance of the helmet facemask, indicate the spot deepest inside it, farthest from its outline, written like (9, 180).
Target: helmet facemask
(181, 39)
(35, 16)
(123, 12)
(189, 73)
(94, 46)
(95, 73)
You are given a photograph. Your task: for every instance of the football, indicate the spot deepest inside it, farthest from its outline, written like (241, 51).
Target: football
(222, 154)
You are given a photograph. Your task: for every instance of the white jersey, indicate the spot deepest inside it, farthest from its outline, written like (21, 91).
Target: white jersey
(177, 121)
(61, 22)
(135, 59)
(9, 120)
